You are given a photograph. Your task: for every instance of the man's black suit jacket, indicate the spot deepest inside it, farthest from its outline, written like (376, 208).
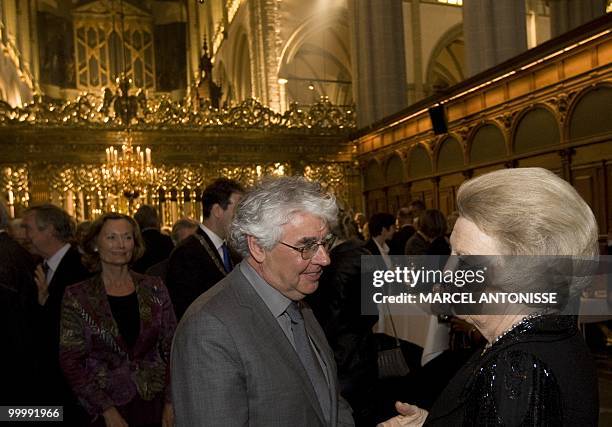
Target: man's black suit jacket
(158, 247)
(18, 300)
(69, 271)
(192, 270)
(17, 269)
(371, 246)
(397, 244)
(54, 388)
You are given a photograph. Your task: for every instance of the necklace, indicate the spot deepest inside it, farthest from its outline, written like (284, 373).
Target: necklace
(511, 328)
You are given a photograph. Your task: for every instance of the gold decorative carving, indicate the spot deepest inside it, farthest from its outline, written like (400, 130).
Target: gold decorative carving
(105, 112)
(331, 176)
(14, 183)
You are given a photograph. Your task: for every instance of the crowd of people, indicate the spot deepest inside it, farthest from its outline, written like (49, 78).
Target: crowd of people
(255, 315)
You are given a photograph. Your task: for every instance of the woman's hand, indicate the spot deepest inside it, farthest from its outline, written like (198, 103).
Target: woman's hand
(113, 418)
(410, 416)
(168, 415)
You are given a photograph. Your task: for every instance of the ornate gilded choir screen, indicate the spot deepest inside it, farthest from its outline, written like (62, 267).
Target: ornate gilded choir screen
(74, 153)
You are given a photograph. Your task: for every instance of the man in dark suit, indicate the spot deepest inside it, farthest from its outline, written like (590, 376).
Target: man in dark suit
(406, 228)
(249, 351)
(382, 228)
(18, 363)
(204, 258)
(157, 245)
(49, 230)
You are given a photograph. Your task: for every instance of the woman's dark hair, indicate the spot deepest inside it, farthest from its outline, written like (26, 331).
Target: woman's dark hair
(91, 257)
(432, 223)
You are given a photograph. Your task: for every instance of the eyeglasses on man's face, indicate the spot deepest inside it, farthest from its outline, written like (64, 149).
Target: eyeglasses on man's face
(310, 249)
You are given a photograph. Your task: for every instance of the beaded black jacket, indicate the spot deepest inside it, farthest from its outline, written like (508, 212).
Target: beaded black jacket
(538, 374)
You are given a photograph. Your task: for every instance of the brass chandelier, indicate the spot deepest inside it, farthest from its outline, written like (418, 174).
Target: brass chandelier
(127, 172)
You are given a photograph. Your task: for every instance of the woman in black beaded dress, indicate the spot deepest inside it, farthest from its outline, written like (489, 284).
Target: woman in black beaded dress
(535, 369)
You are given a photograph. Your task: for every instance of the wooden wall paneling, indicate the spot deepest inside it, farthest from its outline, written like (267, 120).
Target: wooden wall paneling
(397, 197)
(422, 190)
(548, 161)
(608, 198)
(448, 187)
(589, 182)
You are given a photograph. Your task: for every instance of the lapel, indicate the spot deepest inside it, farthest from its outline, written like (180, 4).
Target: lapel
(273, 335)
(210, 250)
(320, 342)
(100, 311)
(65, 264)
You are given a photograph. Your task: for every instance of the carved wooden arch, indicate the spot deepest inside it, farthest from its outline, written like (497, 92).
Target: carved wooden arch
(519, 115)
(374, 161)
(573, 99)
(440, 141)
(424, 145)
(387, 162)
(472, 133)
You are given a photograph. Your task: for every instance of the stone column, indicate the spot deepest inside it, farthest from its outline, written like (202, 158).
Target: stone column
(265, 51)
(378, 58)
(495, 30)
(193, 40)
(10, 21)
(23, 35)
(35, 64)
(568, 14)
(417, 49)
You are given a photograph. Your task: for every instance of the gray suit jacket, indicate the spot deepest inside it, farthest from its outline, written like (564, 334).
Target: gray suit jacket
(232, 365)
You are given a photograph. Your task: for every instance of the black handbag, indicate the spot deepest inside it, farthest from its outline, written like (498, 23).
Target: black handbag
(391, 362)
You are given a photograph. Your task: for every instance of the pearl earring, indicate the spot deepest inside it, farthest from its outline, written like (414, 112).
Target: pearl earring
(95, 249)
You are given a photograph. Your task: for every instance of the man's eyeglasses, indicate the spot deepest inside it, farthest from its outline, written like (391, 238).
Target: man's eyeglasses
(309, 250)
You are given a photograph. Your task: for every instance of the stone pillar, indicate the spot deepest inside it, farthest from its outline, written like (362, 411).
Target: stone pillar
(265, 51)
(378, 58)
(193, 40)
(495, 30)
(23, 35)
(10, 20)
(417, 49)
(568, 14)
(35, 64)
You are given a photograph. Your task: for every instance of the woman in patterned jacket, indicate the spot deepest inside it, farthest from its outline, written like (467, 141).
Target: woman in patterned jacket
(116, 332)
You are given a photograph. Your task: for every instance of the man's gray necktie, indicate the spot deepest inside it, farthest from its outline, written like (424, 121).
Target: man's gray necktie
(46, 268)
(309, 358)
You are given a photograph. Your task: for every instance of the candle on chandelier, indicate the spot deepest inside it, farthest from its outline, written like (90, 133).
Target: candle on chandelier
(148, 152)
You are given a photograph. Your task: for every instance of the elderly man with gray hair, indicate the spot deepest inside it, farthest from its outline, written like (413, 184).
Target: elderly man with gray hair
(249, 351)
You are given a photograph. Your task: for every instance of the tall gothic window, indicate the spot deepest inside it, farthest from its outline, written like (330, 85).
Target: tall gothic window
(111, 37)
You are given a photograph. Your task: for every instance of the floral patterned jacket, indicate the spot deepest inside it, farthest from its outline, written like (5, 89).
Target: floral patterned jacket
(96, 361)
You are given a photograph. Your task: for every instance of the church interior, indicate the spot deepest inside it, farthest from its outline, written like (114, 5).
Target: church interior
(106, 105)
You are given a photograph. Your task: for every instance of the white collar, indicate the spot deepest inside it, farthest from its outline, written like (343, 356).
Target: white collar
(384, 249)
(54, 261)
(217, 241)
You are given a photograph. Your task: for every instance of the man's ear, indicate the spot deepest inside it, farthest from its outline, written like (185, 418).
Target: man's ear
(257, 252)
(217, 210)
